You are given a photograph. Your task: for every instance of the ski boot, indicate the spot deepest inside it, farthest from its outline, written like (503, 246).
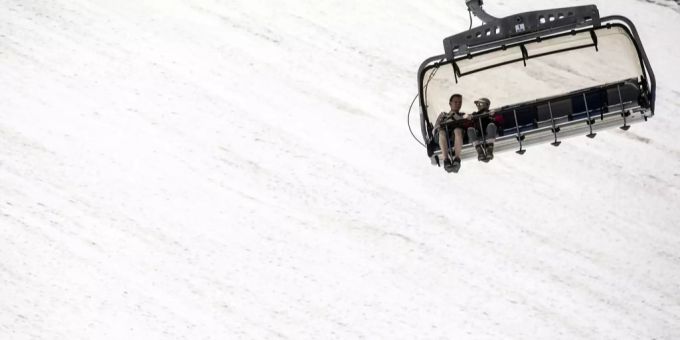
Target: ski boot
(481, 156)
(456, 165)
(489, 151)
(447, 163)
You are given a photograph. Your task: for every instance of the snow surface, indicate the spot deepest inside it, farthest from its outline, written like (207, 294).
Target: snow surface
(206, 169)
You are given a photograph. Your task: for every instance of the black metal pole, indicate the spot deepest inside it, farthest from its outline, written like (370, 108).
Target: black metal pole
(519, 136)
(554, 129)
(623, 113)
(590, 121)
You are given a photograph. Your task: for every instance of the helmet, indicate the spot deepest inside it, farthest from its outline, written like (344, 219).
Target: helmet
(483, 100)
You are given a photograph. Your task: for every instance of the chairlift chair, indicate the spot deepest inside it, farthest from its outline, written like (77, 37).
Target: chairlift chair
(551, 74)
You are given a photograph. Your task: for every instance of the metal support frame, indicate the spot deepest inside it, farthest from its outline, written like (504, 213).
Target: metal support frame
(555, 129)
(623, 112)
(483, 136)
(523, 26)
(481, 130)
(590, 120)
(519, 137)
(504, 32)
(448, 140)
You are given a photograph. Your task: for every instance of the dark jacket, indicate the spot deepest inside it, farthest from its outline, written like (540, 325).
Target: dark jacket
(453, 119)
(486, 119)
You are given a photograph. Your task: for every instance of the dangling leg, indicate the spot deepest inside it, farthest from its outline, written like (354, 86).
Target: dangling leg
(457, 147)
(472, 135)
(490, 140)
(458, 142)
(444, 144)
(491, 133)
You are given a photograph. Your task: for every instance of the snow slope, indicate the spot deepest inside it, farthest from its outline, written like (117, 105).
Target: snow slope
(207, 169)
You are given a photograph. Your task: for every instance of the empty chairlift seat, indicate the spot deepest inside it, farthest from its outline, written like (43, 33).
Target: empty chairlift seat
(561, 109)
(630, 96)
(596, 101)
(526, 119)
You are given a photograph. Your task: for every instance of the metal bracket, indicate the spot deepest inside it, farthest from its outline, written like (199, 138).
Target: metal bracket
(499, 31)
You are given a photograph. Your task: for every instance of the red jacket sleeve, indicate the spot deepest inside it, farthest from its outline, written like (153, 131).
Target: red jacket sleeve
(498, 119)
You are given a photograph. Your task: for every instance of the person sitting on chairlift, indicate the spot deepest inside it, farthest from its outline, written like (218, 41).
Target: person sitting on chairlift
(490, 121)
(451, 122)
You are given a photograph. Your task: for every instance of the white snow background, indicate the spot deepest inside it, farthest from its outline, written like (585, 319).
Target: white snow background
(205, 169)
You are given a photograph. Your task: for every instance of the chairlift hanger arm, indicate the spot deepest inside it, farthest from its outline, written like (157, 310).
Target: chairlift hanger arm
(475, 6)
